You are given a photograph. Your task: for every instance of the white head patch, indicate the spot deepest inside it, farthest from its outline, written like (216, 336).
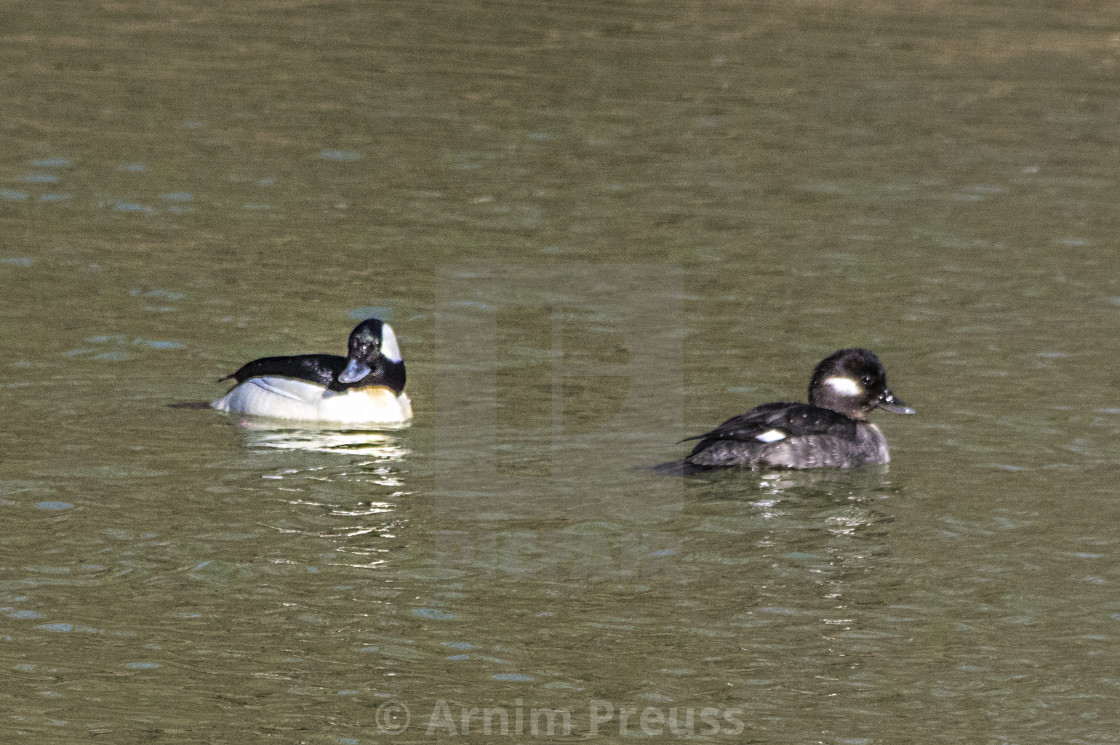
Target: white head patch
(389, 346)
(844, 386)
(771, 435)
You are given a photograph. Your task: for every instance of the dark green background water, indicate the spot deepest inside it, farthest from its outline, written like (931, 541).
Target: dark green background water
(186, 186)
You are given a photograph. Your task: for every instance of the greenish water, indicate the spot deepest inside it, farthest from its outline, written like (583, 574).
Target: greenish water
(597, 229)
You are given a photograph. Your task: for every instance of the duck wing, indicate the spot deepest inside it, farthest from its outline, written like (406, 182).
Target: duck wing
(744, 439)
(322, 369)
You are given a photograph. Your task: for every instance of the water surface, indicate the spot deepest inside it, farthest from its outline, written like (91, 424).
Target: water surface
(184, 188)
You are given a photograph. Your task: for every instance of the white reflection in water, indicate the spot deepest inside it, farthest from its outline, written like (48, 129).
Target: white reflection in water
(382, 446)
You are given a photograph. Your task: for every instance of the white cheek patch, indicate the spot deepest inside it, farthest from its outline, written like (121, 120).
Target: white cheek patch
(389, 346)
(844, 386)
(771, 435)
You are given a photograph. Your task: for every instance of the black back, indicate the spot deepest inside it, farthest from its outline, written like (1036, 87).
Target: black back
(323, 369)
(795, 419)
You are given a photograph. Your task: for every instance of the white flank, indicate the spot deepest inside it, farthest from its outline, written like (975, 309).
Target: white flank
(284, 398)
(844, 386)
(771, 435)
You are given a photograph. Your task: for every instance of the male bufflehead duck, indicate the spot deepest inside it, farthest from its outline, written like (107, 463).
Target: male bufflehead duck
(364, 387)
(831, 430)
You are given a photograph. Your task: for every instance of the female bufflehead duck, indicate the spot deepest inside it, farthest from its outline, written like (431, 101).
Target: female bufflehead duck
(831, 430)
(364, 387)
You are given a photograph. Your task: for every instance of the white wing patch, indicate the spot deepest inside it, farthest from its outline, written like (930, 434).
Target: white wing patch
(389, 346)
(771, 435)
(844, 386)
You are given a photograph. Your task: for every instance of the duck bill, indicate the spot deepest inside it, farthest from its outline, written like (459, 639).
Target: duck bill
(354, 372)
(887, 402)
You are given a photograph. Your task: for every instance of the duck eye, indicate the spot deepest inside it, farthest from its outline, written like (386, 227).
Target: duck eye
(867, 380)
